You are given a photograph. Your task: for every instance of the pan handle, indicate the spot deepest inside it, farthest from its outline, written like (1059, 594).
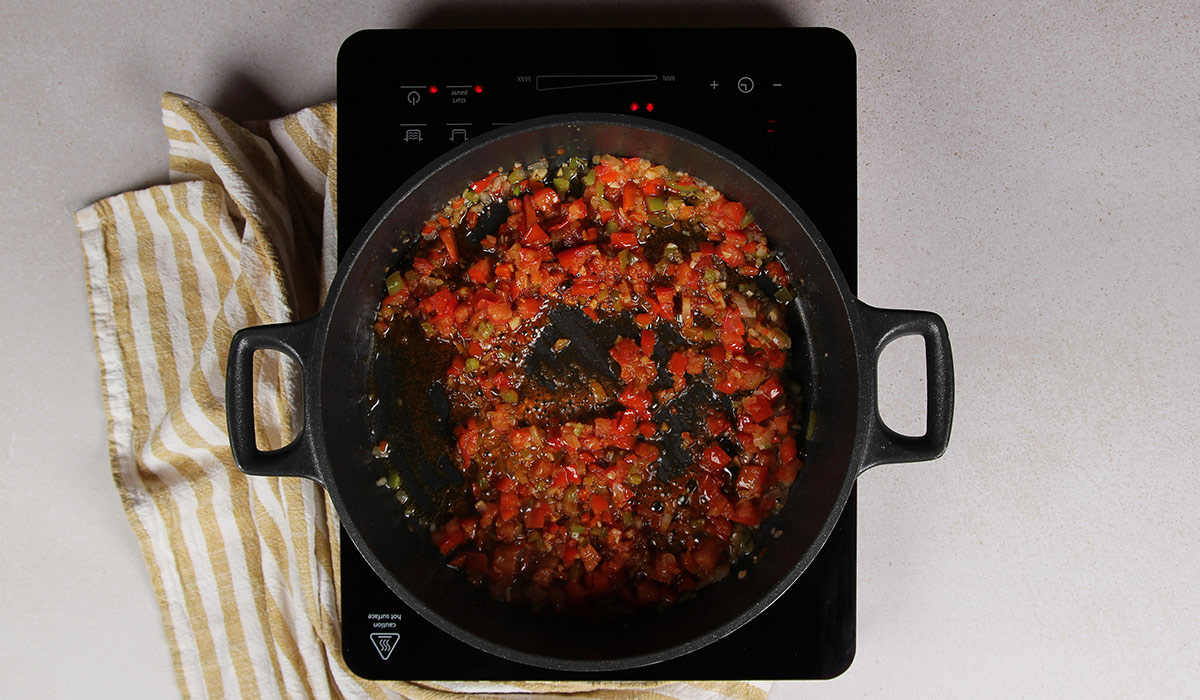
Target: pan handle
(884, 445)
(297, 457)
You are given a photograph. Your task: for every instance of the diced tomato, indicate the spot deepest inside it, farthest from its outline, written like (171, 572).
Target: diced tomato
(623, 239)
(750, 480)
(535, 237)
(573, 259)
(632, 397)
(746, 513)
(590, 557)
(733, 212)
(731, 255)
(535, 518)
(705, 554)
(598, 503)
(451, 537)
(733, 331)
(621, 494)
(506, 560)
(584, 287)
(577, 209)
(442, 302)
(717, 423)
(528, 307)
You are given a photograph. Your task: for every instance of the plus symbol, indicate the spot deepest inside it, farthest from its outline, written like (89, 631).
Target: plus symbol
(713, 85)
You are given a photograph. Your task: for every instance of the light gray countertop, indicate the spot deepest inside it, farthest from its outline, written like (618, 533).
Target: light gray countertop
(1030, 173)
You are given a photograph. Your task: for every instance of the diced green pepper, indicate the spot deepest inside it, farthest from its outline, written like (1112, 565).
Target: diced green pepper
(395, 282)
(655, 203)
(561, 185)
(509, 396)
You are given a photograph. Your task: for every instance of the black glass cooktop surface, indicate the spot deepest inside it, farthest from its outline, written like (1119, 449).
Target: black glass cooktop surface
(782, 98)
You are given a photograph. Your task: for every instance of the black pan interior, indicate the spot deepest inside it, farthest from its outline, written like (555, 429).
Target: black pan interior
(353, 400)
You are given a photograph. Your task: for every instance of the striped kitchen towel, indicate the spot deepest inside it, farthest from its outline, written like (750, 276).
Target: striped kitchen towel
(245, 568)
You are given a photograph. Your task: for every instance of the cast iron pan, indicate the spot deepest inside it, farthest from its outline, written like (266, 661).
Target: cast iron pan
(350, 401)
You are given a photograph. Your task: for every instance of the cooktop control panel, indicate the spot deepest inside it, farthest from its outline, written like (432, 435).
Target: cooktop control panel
(763, 93)
(784, 99)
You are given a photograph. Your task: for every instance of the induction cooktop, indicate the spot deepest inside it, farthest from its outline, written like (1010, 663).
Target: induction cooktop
(783, 98)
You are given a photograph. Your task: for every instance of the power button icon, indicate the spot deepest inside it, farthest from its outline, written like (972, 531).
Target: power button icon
(745, 84)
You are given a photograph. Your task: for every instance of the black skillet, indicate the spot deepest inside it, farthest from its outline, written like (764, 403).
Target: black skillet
(350, 401)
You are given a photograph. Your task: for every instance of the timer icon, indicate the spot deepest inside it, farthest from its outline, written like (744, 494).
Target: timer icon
(745, 84)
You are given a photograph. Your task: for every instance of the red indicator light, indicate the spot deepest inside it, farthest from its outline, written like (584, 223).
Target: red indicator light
(649, 106)
(633, 106)
(478, 89)
(433, 89)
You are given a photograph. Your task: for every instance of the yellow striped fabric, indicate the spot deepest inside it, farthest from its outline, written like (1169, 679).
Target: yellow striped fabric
(245, 568)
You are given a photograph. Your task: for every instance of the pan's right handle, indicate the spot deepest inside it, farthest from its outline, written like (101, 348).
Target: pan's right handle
(884, 445)
(297, 458)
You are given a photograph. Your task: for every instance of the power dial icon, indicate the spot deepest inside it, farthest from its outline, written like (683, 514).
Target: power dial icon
(745, 84)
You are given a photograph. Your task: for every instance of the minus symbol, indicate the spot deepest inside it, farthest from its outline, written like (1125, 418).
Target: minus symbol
(776, 84)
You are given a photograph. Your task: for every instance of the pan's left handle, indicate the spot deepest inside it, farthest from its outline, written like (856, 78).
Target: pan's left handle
(297, 458)
(882, 326)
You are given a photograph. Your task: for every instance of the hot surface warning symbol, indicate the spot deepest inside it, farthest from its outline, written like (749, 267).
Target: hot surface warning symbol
(385, 643)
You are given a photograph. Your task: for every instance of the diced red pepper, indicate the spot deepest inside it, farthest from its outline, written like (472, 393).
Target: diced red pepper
(485, 183)
(772, 388)
(678, 363)
(447, 236)
(632, 397)
(758, 408)
(510, 505)
(647, 341)
(480, 272)
(544, 199)
(714, 458)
